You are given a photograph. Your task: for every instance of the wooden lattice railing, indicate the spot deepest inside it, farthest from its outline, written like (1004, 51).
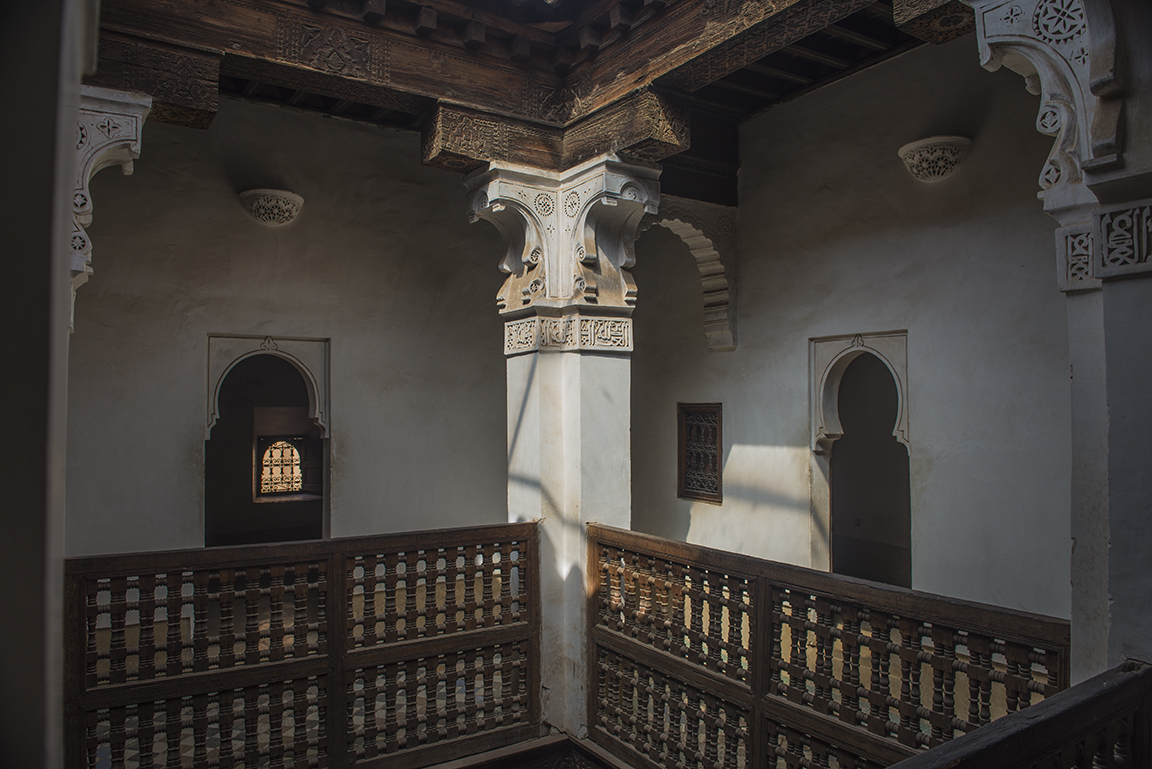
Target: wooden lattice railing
(1103, 723)
(709, 659)
(400, 650)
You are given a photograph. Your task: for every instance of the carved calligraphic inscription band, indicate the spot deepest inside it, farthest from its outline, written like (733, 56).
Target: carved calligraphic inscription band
(568, 334)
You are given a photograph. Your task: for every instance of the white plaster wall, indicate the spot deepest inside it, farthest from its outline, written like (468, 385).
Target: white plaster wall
(836, 237)
(381, 261)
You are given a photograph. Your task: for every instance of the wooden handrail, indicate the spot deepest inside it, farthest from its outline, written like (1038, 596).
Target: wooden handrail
(1108, 718)
(771, 660)
(404, 649)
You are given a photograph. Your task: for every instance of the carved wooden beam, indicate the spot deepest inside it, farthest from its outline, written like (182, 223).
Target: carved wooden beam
(644, 126)
(479, 60)
(183, 82)
(338, 47)
(696, 42)
(933, 21)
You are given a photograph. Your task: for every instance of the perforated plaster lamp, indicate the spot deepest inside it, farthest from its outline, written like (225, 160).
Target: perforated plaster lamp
(935, 158)
(272, 207)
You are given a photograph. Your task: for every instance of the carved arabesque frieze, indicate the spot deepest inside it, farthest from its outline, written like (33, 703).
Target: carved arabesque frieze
(709, 231)
(569, 237)
(1066, 52)
(108, 129)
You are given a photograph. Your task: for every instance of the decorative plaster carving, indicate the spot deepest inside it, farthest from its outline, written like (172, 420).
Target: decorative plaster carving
(935, 158)
(709, 231)
(577, 253)
(1124, 235)
(108, 129)
(309, 356)
(829, 357)
(272, 207)
(567, 333)
(1066, 52)
(1075, 248)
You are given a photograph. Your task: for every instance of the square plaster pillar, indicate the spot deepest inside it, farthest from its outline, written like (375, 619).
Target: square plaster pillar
(568, 465)
(567, 302)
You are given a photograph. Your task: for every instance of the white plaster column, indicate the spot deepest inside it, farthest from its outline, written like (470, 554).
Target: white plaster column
(108, 130)
(1071, 55)
(567, 302)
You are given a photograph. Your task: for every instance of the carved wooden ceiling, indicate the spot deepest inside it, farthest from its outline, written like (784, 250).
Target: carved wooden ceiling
(548, 82)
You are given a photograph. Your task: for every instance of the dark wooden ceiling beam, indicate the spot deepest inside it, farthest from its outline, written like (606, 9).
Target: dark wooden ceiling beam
(696, 43)
(494, 22)
(757, 93)
(819, 57)
(337, 48)
(373, 11)
(864, 41)
(426, 21)
(780, 74)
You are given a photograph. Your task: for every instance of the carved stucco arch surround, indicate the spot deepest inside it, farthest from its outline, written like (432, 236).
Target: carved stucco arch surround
(310, 357)
(828, 358)
(709, 231)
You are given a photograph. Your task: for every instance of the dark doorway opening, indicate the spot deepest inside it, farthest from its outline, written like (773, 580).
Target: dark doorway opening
(871, 506)
(264, 464)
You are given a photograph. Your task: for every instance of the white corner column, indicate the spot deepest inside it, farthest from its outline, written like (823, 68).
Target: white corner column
(108, 131)
(567, 302)
(1097, 183)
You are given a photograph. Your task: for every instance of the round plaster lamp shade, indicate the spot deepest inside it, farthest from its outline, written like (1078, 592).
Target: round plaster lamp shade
(274, 208)
(935, 158)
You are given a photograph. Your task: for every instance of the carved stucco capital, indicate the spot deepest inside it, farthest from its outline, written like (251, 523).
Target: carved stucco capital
(1066, 50)
(709, 231)
(108, 129)
(569, 237)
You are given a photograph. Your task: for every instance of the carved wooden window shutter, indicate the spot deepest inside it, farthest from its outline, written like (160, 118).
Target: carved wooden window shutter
(700, 454)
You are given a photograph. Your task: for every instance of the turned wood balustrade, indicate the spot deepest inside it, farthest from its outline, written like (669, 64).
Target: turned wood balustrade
(708, 659)
(400, 650)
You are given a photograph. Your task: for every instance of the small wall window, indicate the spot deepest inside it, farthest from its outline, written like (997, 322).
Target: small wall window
(280, 468)
(700, 455)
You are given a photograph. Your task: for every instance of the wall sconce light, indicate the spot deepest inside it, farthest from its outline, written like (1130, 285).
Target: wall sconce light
(935, 158)
(272, 207)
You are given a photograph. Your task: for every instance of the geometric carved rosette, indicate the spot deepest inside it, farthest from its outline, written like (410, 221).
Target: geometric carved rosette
(569, 236)
(108, 129)
(1124, 233)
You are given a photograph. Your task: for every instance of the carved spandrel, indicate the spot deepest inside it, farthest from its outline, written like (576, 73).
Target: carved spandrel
(108, 129)
(1048, 42)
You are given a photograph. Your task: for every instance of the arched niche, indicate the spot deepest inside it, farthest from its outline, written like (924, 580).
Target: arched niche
(869, 478)
(830, 357)
(308, 356)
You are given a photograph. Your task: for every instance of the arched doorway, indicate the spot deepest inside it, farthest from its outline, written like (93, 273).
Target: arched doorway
(869, 479)
(264, 462)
